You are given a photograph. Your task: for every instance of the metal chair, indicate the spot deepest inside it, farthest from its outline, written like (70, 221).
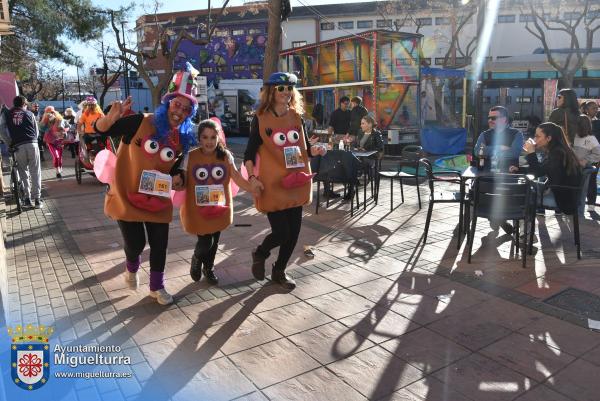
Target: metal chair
(340, 167)
(452, 177)
(409, 158)
(502, 197)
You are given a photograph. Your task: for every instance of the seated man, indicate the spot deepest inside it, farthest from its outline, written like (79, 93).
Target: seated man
(502, 145)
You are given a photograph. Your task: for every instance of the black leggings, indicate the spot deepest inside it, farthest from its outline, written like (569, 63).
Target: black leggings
(285, 229)
(135, 240)
(592, 189)
(206, 248)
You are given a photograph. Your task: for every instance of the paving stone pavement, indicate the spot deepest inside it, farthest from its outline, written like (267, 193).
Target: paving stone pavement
(376, 315)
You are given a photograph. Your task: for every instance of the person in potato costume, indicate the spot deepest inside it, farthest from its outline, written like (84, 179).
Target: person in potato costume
(208, 209)
(282, 175)
(139, 199)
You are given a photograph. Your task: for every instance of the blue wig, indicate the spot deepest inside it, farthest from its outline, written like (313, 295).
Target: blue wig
(187, 139)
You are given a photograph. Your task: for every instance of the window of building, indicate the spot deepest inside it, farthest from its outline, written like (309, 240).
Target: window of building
(327, 26)
(221, 33)
(384, 23)
(442, 21)
(364, 24)
(426, 61)
(240, 67)
(346, 25)
(526, 18)
(254, 31)
(439, 61)
(299, 43)
(506, 19)
(524, 99)
(238, 32)
(501, 57)
(207, 70)
(424, 21)
(255, 67)
(222, 68)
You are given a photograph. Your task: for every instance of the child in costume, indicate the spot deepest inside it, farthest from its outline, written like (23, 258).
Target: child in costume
(139, 196)
(207, 209)
(283, 175)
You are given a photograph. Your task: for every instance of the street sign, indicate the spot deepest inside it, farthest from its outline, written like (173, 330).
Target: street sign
(202, 89)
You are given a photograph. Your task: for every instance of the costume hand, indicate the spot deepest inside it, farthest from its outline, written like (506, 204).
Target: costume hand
(529, 146)
(313, 139)
(177, 183)
(513, 169)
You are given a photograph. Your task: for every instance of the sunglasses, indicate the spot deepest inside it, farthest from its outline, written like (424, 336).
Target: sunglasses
(178, 105)
(493, 118)
(281, 88)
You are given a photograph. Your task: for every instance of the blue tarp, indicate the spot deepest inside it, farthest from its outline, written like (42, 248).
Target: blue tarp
(442, 72)
(443, 141)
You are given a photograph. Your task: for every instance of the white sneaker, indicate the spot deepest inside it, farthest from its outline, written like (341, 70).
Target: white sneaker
(131, 279)
(162, 296)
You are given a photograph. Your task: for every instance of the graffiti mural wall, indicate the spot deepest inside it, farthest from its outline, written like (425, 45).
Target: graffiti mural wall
(234, 52)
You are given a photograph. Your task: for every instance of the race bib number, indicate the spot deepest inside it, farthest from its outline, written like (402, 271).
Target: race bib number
(210, 195)
(293, 157)
(155, 183)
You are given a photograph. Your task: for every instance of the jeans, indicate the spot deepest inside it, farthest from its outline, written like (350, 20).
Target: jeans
(30, 169)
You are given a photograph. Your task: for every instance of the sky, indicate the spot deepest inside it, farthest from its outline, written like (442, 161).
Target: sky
(90, 56)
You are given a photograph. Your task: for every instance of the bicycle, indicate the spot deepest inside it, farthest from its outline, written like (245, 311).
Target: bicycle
(16, 186)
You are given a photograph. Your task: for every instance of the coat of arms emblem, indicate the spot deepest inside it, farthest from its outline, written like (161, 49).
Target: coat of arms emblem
(30, 355)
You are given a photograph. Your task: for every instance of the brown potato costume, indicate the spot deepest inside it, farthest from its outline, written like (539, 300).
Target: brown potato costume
(284, 187)
(123, 201)
(205, 169)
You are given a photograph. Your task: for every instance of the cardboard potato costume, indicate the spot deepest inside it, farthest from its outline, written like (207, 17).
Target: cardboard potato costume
(283, 147)
(202, 171)
(124, 201)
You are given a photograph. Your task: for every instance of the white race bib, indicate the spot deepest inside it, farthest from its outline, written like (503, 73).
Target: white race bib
(293, 157)
(153, 182)
(210, 195)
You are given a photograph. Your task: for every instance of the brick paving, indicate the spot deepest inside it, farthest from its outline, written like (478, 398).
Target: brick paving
(376, 315)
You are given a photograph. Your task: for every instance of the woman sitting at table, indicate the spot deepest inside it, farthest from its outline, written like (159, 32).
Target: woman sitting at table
(369, 138)
(560, 165)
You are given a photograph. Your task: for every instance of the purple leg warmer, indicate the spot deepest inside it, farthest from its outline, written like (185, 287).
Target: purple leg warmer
(133, 267)
(156, 280)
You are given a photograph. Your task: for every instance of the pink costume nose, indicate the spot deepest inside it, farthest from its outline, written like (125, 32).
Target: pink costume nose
(297, 179)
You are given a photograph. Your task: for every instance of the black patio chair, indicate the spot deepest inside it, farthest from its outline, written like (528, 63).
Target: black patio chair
(337, 167)
(409, 158)
(502, 197)
(449, 177)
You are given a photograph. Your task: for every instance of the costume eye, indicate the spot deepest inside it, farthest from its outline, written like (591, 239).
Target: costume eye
(202, 174)
(151, 146)
(293, 136)
(167, 154)
(279, 138)
(218, 173)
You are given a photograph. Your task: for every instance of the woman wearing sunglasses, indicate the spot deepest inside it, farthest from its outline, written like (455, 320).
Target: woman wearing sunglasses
(278, 168)
(566, 114)
(139, 198)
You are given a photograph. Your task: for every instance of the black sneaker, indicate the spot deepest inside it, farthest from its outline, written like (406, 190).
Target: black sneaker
(39, 204)
(58, 175)
(196, 269)
(279, 277)
(27, 203)
(209, 272)
(258, 265)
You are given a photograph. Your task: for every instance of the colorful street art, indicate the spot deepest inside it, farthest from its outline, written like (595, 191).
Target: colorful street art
(237, 53)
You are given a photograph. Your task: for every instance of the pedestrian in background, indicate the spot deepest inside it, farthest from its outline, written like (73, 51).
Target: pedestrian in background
(566, 114)
(55, 130)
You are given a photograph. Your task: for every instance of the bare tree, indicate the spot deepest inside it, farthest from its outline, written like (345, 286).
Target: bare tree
(42, 81)
(582, 17)
(112, 69)
(138, 58)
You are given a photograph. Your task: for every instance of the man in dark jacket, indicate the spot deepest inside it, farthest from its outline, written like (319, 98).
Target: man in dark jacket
(357, 112)
(23, 131)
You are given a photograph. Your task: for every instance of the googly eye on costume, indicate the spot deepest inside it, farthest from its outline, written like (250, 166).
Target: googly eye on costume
(151, 146)
(218, 173)
(201, 174)
(279, 138)
(167, 154)
(293, 136)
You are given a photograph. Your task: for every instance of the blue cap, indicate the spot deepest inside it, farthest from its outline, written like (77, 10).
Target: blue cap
(282, 78)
